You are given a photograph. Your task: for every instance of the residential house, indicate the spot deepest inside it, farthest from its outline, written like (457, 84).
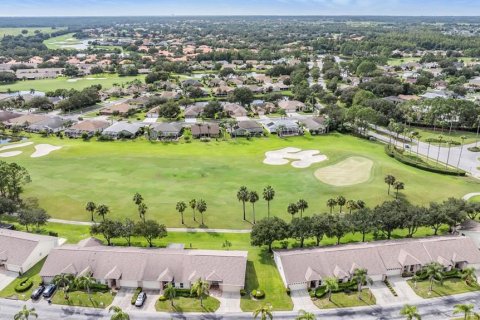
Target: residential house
(234, 110)
(315, 125)
(200, 130)
(88, 127)
(129, 267)
(20, 251)
(7, 115)
(308, 268)
(163, 130)
(291, 106)
(122, 130)
(223, 91)
(248, 127)
(34, 74)
(283, 127)
(49, 125)
(195, 110)
(121, 109)
(25, 120)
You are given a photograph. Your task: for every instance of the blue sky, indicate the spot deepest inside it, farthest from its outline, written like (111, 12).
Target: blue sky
(237, 7)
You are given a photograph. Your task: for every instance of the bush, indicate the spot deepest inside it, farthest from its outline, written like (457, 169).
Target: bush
(243, 292)
(135, 295)
(162, 298)
(474, 149)
(288, 291)
(53, 234)
(419, 163)
(258, 294)
(24, 285)
(184, 293)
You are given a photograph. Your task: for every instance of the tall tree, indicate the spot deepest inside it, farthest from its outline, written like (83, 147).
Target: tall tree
(181, 207)
(266, 231)
(86, 282)
(301, 228)
(200, 289)
(341, 202)
(362, 221)
(137, 198)
(410, 312)
(243, 196)
(337, 227)
(292, 209)
(201, 207)
(109, 229)
(466, 309)
(142, 210)
(268, 195)
(170, 293)
(128, 230)
(361, 276)
(193, 205)
(398, 186)
(26, 314)
(331, 284)
(264, 311)
(390, 180)
(151, 230)
(90, 207)
(302, 205)
(63, 280)
(331, 203)
(304, 315)
(318, 227)
(118, 313)
(252, 198)
(102, 211)
(434, 271)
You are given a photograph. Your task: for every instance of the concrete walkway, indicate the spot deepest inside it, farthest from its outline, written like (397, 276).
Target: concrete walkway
(470, 195)
(302, 301)
(85, 223)
(229, 302)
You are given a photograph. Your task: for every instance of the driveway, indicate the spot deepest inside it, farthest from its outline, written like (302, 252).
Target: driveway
(150, 120)
(405, 293)
(243, 118)
(124, 297)
(6, 277)
(302, 301)
(229, 302)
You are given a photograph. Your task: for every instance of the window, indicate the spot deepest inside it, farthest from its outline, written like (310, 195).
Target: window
(181, 285)
(173, 284)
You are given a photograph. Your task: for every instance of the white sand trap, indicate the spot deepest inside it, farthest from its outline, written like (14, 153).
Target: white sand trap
(96, 78)
(72, 80)
(18, 145)
(43, 150)
(303, 159)
(10, 154)
(351, 171)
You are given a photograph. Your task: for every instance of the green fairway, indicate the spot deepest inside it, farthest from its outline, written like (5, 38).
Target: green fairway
(62, 42)
(44, 85)
(111, 172)
(31, 31)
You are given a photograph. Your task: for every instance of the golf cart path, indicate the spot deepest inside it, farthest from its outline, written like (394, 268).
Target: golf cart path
(468, 196)
(83, 223)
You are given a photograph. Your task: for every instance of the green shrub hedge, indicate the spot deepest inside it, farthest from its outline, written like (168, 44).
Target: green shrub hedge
(135, 295)
(419, 163)
(24, 285)
(258, 294)
(452, 274)
(342, 287)
(162, 298)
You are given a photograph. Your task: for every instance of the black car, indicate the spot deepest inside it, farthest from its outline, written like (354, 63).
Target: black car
(49, 290)
(141, 299)
(37, 293)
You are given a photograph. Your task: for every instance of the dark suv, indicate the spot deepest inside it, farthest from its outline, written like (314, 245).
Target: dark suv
(49, 290)
(37, 293)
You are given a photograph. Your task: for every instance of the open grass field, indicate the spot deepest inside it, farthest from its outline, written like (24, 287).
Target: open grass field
(31, 31)
(471, 137)
(99, 300)
(399, 61)
(44, 85)
(449, 287)
(61, 42)
(111, 172)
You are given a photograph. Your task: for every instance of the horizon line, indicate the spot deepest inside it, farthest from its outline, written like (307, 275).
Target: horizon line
(250, 15)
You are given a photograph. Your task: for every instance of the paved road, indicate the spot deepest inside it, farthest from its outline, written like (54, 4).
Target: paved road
(432, 309)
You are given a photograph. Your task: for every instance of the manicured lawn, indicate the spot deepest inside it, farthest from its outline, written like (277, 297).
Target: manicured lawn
(346, 300)
(164, 173)
(99, 300)
(181, 304)
(31, 31)
(9, 291)
(61, 41)
(449, 287)
(447, 136)
(474, 199)
(400, 61)
(44, 85)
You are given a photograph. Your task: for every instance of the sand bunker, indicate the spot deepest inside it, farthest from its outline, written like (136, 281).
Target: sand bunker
(18, 145)
(351, 171)
(303, 159)
(43, 150)
(10, 154)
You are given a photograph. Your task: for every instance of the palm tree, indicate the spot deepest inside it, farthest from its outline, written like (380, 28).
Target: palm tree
(102, 210)
(440, 140)
(361, 275)
(304, 315)
(90, 207)
(331, 203)
(170, 293)
(351, 205)
(341, 202)
(302, 205)
(181, 206)
(268, 195)
(461, 150)
(360, 204)
(410, 312)
(63, 280)
(292, 209)
(86, 282)
(449, 143)
(389, 180)
(469, 275)
(118, 313)
(25, 314)
(242, 195)
(142, 209)
(466, 309)
(201, 289)
(201, 207)
(252, 198)
(265, 312)
(330, 285)
(433, 270)
(193, 205)
(137, 198)
(398, 186)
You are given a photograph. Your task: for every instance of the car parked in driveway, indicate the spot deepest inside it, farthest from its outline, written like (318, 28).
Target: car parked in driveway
(142, 296)
(49, 290)
(37, 293)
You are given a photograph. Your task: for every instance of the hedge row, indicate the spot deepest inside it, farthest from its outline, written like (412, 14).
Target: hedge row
(24, 285)
(344, 286)
(394, 153)
(135, 295)
(452, 274)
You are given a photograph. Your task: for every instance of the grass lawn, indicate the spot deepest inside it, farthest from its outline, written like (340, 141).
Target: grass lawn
(9, 291)
(453, 136)
(31, 31)
(399, 61)
(346, 300)
(449, 287)
(44, 85)
(81, 299)
(474, 199)
(181, 304)
(164, 173)
(61, 42)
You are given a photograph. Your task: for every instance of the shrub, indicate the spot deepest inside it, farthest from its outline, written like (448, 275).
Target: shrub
(184, 293)
(53, 234)
(474, 149)
(135, 295)
(258, 294)
(162, 298)
(243, 292)
(24, 285)
(288, 291)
